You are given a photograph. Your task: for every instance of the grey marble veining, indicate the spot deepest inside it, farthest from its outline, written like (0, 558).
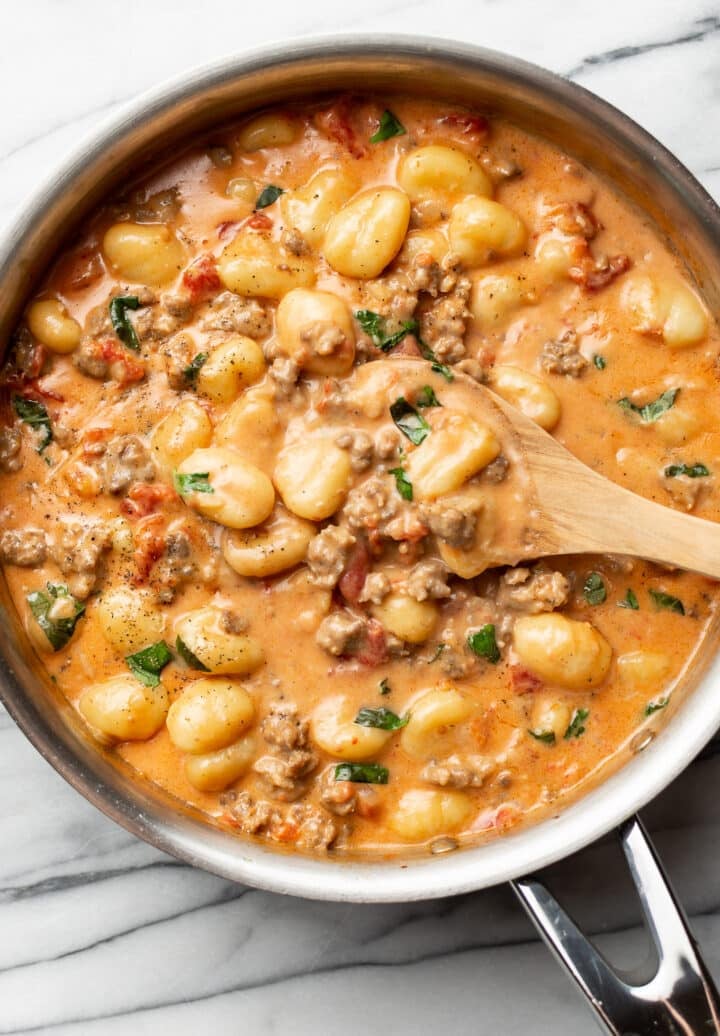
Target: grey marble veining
(101, 935)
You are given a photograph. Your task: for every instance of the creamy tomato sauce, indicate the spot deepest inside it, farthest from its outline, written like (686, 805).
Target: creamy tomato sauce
(253, 512)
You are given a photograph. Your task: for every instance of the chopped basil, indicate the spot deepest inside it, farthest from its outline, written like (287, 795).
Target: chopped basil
(58, 630)
(390, 126)
(268, 195)
(146, 665)
(384, 687)
(31, 412)
(374, 325)
(426, 397)
(438, 651)
(484, 645)
(188, 657)
(691, 470)
(362, 773)
(656, 705)
(443, 370)
(121, 321)
(594, 589)
(402, 483)
(651, 411)
(629, 601)
(667, 602)
(198, 482)
(382, 718)
(599, 361)
(191, 372)
(576, 727)
(546, 736)
(413, 426)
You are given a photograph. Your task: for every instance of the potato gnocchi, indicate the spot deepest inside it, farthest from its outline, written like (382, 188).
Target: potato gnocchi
(254, 516)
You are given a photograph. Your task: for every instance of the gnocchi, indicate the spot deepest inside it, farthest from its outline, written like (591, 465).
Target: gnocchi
(315, 329)
(220, 484)
(562, 651)
(209, 715)
(332, 728)
(312, 478)
(52, 325)
(530, 394)
(124, 709)
(367, 233)
(278, 544)
(144, 253)
(212, 636)
(481, 230)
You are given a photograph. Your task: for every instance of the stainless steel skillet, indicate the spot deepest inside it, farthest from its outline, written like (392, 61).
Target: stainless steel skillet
(681, 997)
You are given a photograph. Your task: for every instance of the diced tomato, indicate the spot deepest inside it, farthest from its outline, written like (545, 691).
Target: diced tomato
(149, 546)
(259, 221)
(373, 649)
(467, 124)
(355, 573)
(522, 681)
(367, 803)
(126, 367)
(335, 122)
(201, 279)
(224, 229)
(286, 831)
(144, 498)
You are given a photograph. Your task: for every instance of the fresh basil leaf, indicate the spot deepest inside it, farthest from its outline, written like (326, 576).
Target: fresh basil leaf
(121, 321)
(546, 736)
(426, 397)
(576, 727)
(372, 324)
(362, 773)
(656, 705)
(146, 665)
(191, 372)
(268, 195)
(188, 657)
(34, 413)
(667, 602)
(594, 589)
(197, 482)
(384, 687)
(402, 483)
(57, 631)
(427, 354)
(390, 126)
(413, 426)
(443, 370)
(484, 645)
(438, 651)
(383, 719)
(629, 601)
(599, 361)
(651, 411)
(691, 470)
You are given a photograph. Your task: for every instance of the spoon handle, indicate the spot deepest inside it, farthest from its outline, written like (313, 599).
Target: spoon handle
(586, 513)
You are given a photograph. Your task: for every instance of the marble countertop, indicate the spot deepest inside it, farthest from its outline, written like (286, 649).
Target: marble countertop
(101, 935)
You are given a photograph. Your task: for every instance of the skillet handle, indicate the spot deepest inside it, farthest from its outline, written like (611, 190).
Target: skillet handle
(679, 1000)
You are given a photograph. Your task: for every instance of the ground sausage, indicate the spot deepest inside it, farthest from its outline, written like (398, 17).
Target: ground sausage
(24, 547)
(455, 527)
(427, 579)
(127, 459)
(284, 774)
(328, 553)
(533, 591)
(562, 356)
(340, 633)
(248, 317)
(283, 726)
(78, 547)
(458, 772)
(10, 449)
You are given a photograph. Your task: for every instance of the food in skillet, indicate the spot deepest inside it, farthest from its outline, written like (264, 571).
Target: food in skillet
(255, 543)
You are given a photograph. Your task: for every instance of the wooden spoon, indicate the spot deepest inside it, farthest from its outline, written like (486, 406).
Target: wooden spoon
(573, 510)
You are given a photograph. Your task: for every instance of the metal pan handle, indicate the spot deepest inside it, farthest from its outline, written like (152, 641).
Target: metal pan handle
(679, 1000)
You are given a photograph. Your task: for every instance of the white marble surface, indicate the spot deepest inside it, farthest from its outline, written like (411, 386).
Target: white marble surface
(101, 935)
